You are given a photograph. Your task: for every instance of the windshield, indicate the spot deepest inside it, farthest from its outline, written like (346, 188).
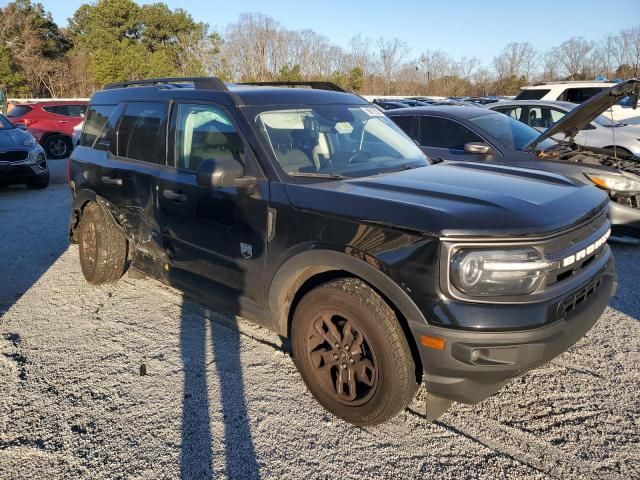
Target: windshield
(510, 132)
(5, 124)
(338, 141)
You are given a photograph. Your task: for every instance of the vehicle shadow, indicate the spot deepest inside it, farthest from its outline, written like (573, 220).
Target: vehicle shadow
(201, 330)
(37, 236)
(627, 299)
(215, 416)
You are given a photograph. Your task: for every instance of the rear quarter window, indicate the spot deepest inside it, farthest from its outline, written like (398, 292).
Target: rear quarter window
(141, 133)
(532, 93)
(97, 117)
(18, 111)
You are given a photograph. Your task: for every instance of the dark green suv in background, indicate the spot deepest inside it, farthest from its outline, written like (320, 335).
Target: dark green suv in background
(311, 213)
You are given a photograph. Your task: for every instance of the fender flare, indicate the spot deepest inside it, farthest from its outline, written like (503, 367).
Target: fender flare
(298, 269)
(82, 197)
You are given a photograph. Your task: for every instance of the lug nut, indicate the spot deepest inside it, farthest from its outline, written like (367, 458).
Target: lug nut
(351, 360)
(344, 365)
(335, 356)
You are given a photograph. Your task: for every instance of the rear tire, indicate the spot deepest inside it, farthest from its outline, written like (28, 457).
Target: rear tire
(352, 353)
(57, 146)
(103, 248)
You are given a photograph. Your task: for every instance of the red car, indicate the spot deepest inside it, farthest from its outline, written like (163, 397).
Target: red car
(51, 123)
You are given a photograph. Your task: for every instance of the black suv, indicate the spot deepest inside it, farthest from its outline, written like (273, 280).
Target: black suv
(310, 212)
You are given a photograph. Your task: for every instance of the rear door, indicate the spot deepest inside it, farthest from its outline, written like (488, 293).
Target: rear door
(214, 237)
(127, 156)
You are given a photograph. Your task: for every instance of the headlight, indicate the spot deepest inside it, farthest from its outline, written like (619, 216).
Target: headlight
(30, 142)
(481, 273)
(615, 182)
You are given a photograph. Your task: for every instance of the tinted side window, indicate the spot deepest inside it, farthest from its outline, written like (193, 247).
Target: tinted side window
(204, 132)
(18, 111)
(141, 134)
(513, 112)
(53, 109)
(75, 110)
(579, 95)
(443, 133)
(405, 123)
(532, 94)
(96, 119)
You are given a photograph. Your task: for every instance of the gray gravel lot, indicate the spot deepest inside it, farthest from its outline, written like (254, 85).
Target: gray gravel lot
(228, 403)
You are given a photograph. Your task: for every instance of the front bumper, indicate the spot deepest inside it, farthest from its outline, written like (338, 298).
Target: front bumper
(33, 169)
(625, 221)
(476, 364)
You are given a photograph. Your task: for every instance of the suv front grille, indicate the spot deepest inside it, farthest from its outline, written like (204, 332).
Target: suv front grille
(572, 301)
(13, 156)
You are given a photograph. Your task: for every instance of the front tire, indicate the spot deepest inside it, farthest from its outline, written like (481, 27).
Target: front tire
(103, 248)
(352, 353)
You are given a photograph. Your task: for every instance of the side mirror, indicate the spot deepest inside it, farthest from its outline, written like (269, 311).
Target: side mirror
(477, 148)
(222, 173)
(21, 127)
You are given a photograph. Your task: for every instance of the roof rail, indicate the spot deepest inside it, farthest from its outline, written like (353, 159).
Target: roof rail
(199, 83)
(557, 82)
(314, 85)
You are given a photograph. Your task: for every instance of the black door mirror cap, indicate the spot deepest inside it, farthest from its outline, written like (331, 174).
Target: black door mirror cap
(223, 173)
(478, 148)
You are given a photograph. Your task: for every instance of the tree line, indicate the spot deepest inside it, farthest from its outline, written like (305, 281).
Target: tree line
(112, 40)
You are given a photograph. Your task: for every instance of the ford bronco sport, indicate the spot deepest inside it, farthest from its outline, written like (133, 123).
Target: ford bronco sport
(310, 212)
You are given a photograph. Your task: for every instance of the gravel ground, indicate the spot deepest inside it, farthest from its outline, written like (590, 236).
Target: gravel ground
(221, 398)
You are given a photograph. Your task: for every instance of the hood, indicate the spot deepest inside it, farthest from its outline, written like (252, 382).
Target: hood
(12, 138)
(456, 199)
(581, 116)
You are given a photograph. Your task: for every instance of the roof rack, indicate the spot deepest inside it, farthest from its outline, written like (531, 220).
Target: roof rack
(199, 83)
(314, 85)
(557, 82)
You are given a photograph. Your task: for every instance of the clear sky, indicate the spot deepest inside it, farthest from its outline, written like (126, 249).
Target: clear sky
(459, 27)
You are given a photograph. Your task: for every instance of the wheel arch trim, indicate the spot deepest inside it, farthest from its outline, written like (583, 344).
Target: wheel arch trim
(296, 271)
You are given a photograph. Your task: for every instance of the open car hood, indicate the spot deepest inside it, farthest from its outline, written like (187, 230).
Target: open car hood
(581, 116)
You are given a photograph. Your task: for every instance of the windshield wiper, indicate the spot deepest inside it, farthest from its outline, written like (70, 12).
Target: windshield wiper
(329, 176)
(401, 168)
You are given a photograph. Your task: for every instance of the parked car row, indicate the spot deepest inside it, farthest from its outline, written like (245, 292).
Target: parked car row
(576, 141)
(392, 104)
(577, 92)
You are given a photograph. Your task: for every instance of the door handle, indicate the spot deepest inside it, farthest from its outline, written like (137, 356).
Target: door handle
(175, 196)
(112, 181)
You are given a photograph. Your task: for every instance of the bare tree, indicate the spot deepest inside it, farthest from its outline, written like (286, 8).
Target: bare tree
(359, 54)
(391, 53)
(573, 55)
(517, 60)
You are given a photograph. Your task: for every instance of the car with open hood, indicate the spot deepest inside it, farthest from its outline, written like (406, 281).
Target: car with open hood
(22, 160)
(310, 212)
(602, 132)
(471, 134)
